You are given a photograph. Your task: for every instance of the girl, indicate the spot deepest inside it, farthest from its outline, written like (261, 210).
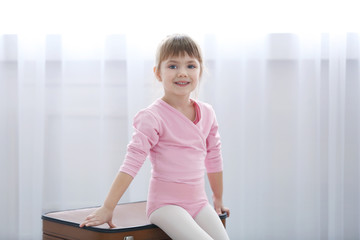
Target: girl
(181, 137)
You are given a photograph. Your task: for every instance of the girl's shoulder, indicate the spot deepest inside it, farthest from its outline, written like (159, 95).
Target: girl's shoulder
(146, 118)
(146, 113)
(205, 107)
(203, 104)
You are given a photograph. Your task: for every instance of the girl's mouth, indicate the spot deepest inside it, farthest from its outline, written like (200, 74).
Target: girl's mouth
(182, 83)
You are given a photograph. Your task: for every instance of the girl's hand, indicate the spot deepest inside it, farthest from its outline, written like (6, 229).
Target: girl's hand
(98, 217)
(219, 208)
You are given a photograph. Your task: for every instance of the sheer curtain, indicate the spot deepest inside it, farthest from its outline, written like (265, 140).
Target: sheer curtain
(288, 106)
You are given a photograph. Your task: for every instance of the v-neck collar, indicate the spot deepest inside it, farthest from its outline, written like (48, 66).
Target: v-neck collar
(180, 113)
(190, 123)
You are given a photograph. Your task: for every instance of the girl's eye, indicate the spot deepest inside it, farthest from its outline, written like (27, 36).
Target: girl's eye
(172, 66)
(191, 66)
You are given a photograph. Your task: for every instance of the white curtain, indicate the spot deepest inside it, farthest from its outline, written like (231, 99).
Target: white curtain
(288, 106)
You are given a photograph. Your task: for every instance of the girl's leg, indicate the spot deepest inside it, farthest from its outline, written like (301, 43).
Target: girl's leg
(208, 220)
(178, 223)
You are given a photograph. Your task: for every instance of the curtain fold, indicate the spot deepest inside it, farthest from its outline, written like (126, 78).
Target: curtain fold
(288, 107)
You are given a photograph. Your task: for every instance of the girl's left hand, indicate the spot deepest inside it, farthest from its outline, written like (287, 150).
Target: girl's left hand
(219, 208)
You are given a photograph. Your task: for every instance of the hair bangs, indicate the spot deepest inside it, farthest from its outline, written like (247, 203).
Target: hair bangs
(179, 48)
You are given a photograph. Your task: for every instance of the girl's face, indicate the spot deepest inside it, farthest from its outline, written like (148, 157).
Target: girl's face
(179, 75)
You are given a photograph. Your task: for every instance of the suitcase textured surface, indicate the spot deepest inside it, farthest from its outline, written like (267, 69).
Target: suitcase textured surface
(64, 225)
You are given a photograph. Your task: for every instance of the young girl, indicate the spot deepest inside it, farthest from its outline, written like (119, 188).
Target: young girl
(181, 136)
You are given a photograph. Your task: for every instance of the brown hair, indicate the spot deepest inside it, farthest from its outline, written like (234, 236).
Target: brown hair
(178, 45)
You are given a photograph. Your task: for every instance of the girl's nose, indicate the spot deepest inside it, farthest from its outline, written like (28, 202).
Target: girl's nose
(182, 72)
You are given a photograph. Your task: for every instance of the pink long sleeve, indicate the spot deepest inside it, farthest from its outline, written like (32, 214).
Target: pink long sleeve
(145, 136)
(213, 160)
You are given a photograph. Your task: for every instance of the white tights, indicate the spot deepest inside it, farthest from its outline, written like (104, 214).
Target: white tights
(178, 223)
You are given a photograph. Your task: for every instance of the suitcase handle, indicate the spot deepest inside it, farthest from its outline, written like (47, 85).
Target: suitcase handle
(129, 238)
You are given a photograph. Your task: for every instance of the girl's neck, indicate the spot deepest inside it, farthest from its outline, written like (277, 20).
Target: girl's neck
(178, 102)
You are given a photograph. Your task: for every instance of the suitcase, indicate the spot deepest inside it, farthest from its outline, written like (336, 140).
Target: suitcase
(64, 225)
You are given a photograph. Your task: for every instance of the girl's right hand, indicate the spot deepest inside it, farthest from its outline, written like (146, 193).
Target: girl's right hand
(98, 217)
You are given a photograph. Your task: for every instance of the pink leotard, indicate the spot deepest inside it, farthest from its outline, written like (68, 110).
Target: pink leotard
(180, 150)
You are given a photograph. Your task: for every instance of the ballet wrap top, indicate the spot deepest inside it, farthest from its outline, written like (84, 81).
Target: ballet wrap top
(179, 150)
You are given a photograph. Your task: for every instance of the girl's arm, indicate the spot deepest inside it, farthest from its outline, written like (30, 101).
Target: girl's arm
(216, 183)
(146, 136)
(105, 212)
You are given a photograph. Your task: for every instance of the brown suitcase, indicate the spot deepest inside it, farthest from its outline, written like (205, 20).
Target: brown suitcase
(64, 225)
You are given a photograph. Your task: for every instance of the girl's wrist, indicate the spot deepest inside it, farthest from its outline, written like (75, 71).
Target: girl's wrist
(217, 198)
(109, 208)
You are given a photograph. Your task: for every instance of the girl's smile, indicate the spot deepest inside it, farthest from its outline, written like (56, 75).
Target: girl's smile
(182, 83)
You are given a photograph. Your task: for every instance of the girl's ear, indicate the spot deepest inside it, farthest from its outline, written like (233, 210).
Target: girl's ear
(157, 74)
